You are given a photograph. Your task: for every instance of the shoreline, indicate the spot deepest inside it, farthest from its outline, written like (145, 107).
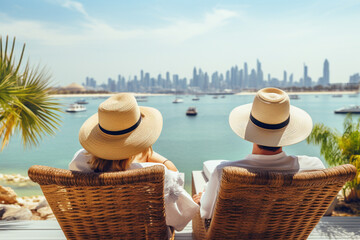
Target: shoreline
(172, 94)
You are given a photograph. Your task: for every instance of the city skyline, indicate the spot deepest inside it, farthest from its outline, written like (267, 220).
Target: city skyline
(234, 79)
(89, 38)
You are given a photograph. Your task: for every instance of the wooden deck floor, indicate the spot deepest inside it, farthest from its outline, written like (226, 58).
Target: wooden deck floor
(328, 228)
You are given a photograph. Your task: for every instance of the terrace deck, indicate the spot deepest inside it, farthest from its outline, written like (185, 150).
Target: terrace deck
(328, 228)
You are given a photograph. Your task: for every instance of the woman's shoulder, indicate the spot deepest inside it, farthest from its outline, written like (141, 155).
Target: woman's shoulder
(80, 161)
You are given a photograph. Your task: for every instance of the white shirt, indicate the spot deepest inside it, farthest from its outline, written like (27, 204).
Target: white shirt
(278, 161)
(179, 206)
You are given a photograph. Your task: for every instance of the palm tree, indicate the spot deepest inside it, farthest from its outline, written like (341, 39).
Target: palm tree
(340, 149)
(25, 103)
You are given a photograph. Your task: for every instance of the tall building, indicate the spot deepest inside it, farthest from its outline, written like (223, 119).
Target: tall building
(141, 75)
(176, 81)
(326, 73)
(215, 82)
(252, 79)
(355, 79)
(168, 81)
(246, 76)
(259, 74)
(306, 79)
(227, 78)
(234, 77)
(195, 81)
(284, 82)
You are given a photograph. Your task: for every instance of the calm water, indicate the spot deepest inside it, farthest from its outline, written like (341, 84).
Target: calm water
(187, 141)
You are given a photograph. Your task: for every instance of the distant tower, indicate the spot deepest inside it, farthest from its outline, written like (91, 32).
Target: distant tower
(259, 74)
(291, 80)
(284, 83)
(307, 79)
(326, 73)
(246, 75)
(168, 81)
(195, 78)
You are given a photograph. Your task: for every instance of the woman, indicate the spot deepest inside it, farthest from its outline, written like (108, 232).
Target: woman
(120, 137)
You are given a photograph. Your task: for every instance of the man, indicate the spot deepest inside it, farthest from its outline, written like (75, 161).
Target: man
(270, 123)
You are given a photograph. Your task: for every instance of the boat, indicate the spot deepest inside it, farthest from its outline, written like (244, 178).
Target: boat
(178, 100)
(337, 95)
(82, 101)
(294, 96)
(196, 98)
(191, 111)
(215, 97)
(76, 108)
(141, 98)
(353, 95)
(355, 109)
(223, 96)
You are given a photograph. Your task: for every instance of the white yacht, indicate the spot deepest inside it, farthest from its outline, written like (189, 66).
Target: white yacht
(294, 96)
(76, 108)
(196, 98)
(82, 101)
(178, 100)
(355, 109)
(141, 98)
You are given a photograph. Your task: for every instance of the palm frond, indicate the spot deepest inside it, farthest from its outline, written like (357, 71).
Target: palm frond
(25, 103)
(328, 140)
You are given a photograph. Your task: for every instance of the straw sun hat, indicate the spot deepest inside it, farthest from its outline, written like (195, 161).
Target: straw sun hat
(121, 128)
(270, 120)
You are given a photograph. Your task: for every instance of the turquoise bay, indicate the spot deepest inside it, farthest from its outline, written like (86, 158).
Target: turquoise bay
(187, 141)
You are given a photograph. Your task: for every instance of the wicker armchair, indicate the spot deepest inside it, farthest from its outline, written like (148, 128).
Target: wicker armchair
(118, 205)
(271, 205)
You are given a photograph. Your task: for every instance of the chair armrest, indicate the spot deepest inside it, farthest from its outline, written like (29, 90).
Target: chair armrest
(198, 182)
(198, 226)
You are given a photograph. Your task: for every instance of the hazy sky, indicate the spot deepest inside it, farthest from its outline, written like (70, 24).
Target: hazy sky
(102, 39)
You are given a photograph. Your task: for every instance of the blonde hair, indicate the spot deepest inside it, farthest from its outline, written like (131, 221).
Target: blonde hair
(102, 165)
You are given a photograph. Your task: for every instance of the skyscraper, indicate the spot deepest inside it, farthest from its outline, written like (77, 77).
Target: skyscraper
(307, 79)
(259, 74)
(291, 79)
(284, 82)
(195, 81)
(326, 73)
(246, 76)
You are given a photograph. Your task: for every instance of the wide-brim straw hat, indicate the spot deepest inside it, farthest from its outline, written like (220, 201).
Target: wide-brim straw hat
(121, 128)
(270, 120)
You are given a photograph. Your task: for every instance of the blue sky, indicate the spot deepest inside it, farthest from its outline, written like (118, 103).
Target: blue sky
(102, 39)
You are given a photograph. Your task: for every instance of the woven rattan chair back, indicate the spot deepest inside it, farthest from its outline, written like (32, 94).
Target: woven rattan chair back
(118, 205)
(272, 205)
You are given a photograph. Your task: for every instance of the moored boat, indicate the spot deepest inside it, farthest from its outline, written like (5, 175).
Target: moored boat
(82, 101)
(141, 98)
(294, 96)
(351, 109)
(178, 100)
(76, 108)
(191, 111)
(196, 98)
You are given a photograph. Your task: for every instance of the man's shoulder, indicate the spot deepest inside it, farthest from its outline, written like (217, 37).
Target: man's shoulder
(310, 163)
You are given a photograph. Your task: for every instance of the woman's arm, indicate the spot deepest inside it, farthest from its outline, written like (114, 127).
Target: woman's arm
(157, 158)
